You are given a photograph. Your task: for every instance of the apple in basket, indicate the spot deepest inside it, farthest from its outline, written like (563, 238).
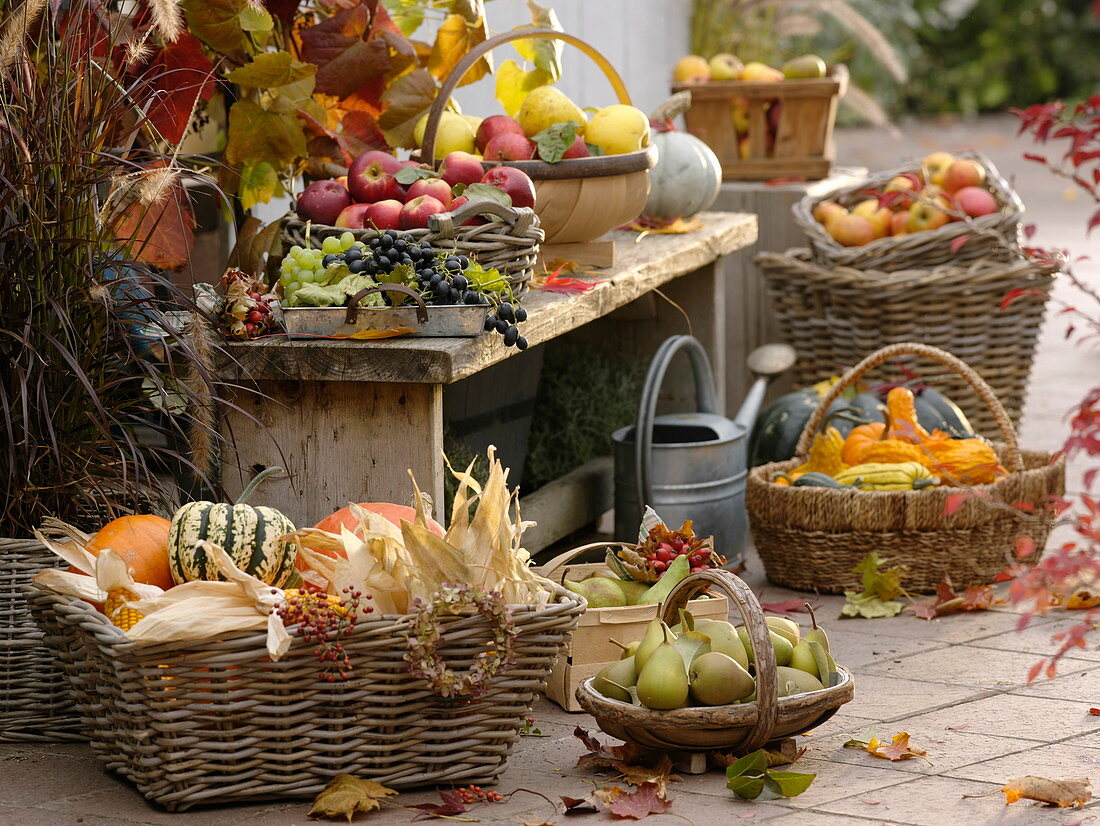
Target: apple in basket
(385, 214)
(461, 168)
(514, 182)
(415, 214)
(370, 177)
(510, 147)
(354, 216)
(322, 202)
(975, 201)
(435, 187)
(494, 126)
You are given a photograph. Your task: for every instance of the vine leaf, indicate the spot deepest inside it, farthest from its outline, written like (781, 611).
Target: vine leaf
(544, 53)
(456, 37)
(346, 795)
(217, 23)
(183, 76)
(257, 135)
(271, 70)
(159, 232)
(405, 101)
(346, 52)
(513, 85)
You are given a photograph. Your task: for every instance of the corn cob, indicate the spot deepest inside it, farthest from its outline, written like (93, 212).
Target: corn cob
(118, 610)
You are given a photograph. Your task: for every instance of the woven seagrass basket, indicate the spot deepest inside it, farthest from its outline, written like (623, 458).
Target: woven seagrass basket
(35, 701)
(811, 538)
(833, 316)
(508, 241)
(995, 235)
(217, 721)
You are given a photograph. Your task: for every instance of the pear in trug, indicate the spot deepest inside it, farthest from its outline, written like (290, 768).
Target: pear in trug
(602, 592)
(795, 681)
(826, 665)
(781, 645)
(724, 639)
(788, 629)
(654, 635)
(629, 650)
(615, 680)
(717, 679)
(691, 644)
(817, 633)
(659, 591)
(663, 681)
(633, 590)
(802, 658)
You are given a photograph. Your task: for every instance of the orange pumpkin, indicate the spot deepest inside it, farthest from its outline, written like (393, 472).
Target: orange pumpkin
(859, 440)
(344, 518)
(142, 541)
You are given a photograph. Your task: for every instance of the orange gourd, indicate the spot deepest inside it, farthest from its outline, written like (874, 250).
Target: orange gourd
(344, 518)
(964, 461)
(859, 439)
(901, 417)
(892, 452)
(142, 541)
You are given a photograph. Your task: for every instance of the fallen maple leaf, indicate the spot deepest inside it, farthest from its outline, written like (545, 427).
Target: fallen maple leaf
(1082, 598)
(636, 765)
(577, 805)
(555, 282)
(786, 606)
(540, 823)
(452, 805)
(897, 749)
(948, 601)
(1073, 791)
(345, 795)
(648, 799)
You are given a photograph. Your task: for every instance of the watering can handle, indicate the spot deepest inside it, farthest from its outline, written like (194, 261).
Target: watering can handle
(706, 401)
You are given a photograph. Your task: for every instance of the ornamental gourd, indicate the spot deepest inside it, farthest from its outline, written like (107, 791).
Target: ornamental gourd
(142, 542)
(250, 535)
(685, 180)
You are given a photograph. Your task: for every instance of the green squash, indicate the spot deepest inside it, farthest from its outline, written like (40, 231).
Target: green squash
(250, 535)
(814, 479)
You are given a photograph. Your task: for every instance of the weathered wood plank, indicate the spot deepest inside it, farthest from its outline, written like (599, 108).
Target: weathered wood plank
(641, 266)
(568, 503)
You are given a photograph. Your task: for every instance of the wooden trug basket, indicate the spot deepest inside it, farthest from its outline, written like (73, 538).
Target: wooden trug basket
(579, 199)
(811, 538)
(804, 135)
(739, 727)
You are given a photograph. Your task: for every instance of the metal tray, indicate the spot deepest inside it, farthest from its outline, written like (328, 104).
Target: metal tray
(458, 320)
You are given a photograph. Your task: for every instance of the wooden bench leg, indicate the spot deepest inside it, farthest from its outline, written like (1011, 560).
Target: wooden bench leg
(339, 441)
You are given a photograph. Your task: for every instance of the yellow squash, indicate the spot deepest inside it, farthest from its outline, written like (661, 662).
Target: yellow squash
(888, 476)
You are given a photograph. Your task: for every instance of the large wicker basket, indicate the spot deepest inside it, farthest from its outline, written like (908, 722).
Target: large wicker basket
(833, 316)
(811, 538)
(995, 235)
(738, 727)
(217, 721)
(508, 241)
(35, 701)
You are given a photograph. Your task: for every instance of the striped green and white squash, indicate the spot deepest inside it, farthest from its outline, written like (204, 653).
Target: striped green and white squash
(250, 535)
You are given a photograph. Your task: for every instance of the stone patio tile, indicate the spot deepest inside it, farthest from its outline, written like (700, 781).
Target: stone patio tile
(823, 819)
(1035, 640)
(954, 628)
(835, 781)
(27, 816)
(72, 772)
(1083, 686)
(967, 665)
(938, 801)
(1073, 758)
(115, 798)
(880, 697)
(1011, 716)
(855, 651)
(840, 723)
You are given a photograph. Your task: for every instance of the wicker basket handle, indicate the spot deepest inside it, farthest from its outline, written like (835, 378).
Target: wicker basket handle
(767, 687)
(427, 147)
(551, 567)
(1013, 458)
(444, 224)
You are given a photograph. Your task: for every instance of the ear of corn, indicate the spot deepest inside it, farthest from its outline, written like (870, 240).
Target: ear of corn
(118, 610)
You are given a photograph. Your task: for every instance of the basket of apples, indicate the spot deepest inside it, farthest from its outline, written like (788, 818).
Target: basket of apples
(948, 209)
(590, 174)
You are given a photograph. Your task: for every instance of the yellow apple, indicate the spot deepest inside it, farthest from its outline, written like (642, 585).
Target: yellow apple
(963, 173)
(902, 184)
(618, 129)
(691, 69)
(826, 210)
(925, 215)
(807, 66)
(547, 105)
(760, 73)
(740, 110)
(850, 230)
(937, 165)
(725, 66)
(879, 217)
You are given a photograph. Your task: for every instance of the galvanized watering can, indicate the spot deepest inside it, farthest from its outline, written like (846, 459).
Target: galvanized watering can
(691, 465)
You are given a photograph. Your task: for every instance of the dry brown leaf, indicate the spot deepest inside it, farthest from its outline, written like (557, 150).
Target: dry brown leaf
(540, 823)
(1072, 791)
(897, 749)
(779, 753)
(345, 795)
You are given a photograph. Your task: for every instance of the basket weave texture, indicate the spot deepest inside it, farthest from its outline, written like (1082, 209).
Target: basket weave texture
(833, 316)
(509, 242)
(995, 235)
(216, 721)
(35, 701)
(811, 538)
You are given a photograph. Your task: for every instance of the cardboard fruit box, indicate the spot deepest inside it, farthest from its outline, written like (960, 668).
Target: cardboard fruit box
(590, 648)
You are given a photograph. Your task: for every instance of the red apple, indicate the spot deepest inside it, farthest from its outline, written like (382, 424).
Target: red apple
(851, 230)
(899, 223)
(354, 217)
(963, 173)
(461, 168)
(460, 201)
(495, 125)
(975, 201)
(416, 212)
(514, 182)
(385, 214)
(370, 177)
(509, 147)
(436, 187)
(322, 202)
(579, 149)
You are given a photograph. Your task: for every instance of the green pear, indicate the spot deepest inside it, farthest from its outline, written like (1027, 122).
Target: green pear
(546, 105)
(826, 666)
(673, 576)
(788, 629)
(614, 680)
(629, 650)
(654, 635)
(724, 639)
(604, 593)
(691, 644)
(633, 591)
(663, 681)
(816, 633)
(795, 681)
(806, 66)
(802, 658)
(576, 587)
(781, 645)
(717, 679)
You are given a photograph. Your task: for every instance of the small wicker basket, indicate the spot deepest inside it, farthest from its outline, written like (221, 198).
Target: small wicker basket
(738, 727)
(833, 316)
(991, 236)
(508, 242)
(217, 721)
(811, 538)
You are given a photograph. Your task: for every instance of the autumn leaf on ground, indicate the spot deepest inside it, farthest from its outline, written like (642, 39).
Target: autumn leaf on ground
(648, 799)
(647, 225)
(555, 282)
(450, 806)
(948, 601)
(896, 749)
(636, 765)
(793, 605)
(782, 753)
(1083, 599)
(1072, 791)
(345, 795)
(880, 590)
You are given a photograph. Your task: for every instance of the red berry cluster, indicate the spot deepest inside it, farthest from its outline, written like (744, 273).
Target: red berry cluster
(472, 794)
(323, 620)
(666, 552)
(256, 320)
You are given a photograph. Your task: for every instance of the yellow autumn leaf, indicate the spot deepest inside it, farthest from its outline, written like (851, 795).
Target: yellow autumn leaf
(369, 335)
(456, 37)
(345, 795)
(514, 84)
(1072, 791)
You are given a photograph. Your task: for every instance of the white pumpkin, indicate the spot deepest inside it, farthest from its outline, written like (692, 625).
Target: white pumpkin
(686, 178)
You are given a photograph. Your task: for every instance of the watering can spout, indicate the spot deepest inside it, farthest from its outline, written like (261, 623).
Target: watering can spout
(766, 362)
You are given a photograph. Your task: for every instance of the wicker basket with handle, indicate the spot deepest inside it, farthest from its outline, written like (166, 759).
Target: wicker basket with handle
(990, 236)
(811, 538)
(738, 727)
(833, 316)
(215, 721)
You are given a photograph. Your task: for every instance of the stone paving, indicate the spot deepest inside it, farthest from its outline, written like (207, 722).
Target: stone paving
(957, 684)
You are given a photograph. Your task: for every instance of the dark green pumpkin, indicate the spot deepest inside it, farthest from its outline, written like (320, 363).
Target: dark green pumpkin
(814, 479)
